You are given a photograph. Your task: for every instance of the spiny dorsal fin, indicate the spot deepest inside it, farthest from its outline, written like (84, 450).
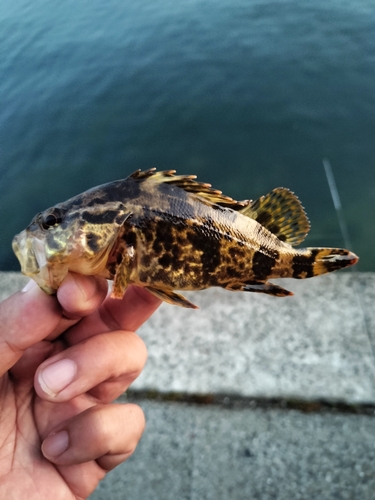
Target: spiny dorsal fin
(281, 212)
(189, 184)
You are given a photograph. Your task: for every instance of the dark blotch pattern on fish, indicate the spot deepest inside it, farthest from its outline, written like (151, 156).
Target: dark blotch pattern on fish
(264, 218)
(106, 217)
(93, 241)
(53, 242)
(262, 265)
(303, 265)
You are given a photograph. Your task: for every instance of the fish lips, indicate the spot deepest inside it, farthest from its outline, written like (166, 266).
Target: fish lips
(31, 254)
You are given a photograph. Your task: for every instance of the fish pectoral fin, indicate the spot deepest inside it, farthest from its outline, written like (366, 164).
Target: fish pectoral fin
(171, 297)
(259, 287)
(121, 279)
(281, 212)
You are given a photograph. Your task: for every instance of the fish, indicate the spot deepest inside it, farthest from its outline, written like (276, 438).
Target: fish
(169, 233)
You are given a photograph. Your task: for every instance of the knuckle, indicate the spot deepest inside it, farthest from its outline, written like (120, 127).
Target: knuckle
(137, 420)
(142, 350)
(137, 347)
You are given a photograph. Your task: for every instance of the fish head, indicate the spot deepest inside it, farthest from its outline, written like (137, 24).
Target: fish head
(72, 236)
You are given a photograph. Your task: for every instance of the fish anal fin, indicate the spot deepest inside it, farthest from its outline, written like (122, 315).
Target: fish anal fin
(259, 287)
(171, 297)
(281, 212)
(190, 185)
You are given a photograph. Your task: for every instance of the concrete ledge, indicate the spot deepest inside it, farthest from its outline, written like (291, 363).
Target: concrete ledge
(311, 346)
(315, 345)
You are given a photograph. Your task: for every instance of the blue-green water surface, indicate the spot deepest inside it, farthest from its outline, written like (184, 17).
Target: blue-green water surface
(248, 95)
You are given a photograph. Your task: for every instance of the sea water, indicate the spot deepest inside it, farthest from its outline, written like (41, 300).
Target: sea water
(248, 95)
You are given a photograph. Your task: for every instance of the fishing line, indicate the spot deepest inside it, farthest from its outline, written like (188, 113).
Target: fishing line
(345, 235)
(336, 202)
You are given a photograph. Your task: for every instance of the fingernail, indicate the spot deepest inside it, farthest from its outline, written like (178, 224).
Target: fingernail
(76, 281)
(29, 286)
(84, 284)
(57, 376)
(55, 444)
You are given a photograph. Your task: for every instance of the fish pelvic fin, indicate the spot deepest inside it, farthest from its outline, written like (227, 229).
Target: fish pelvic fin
(171, 297)
(316, 261)
(281, 212)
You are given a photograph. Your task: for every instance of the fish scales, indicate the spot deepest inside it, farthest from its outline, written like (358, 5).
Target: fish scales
(167, 232)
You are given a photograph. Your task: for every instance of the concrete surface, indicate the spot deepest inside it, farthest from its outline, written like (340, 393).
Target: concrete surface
(317, 345)
(212, 453)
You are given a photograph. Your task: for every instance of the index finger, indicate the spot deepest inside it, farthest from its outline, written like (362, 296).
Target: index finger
(26, 318)
(29, 316)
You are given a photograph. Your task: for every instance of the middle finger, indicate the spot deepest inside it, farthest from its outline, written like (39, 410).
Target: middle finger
(128, 313)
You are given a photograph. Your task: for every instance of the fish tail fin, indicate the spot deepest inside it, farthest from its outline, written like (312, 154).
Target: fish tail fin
(315, 261)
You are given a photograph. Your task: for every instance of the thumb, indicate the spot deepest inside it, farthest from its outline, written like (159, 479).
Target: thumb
(26, 318)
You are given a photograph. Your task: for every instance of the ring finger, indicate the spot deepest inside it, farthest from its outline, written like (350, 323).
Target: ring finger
(106, 433)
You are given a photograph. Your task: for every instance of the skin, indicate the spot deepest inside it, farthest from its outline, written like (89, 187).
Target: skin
(59, 442)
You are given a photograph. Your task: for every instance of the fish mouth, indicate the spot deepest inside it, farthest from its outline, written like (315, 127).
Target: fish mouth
(23, 248)
(31, 255)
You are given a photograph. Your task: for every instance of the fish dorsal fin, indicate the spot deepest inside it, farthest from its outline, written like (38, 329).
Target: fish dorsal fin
(189, 184)
(281, 212)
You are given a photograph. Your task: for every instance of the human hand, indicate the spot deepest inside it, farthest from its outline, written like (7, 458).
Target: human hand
(59, 437)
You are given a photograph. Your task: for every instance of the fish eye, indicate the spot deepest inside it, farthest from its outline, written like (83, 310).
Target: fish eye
(51, 220)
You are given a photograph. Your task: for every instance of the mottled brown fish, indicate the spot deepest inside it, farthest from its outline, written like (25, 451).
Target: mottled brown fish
(167, 232)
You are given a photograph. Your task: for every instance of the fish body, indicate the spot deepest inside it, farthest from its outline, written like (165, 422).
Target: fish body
(167, 232)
